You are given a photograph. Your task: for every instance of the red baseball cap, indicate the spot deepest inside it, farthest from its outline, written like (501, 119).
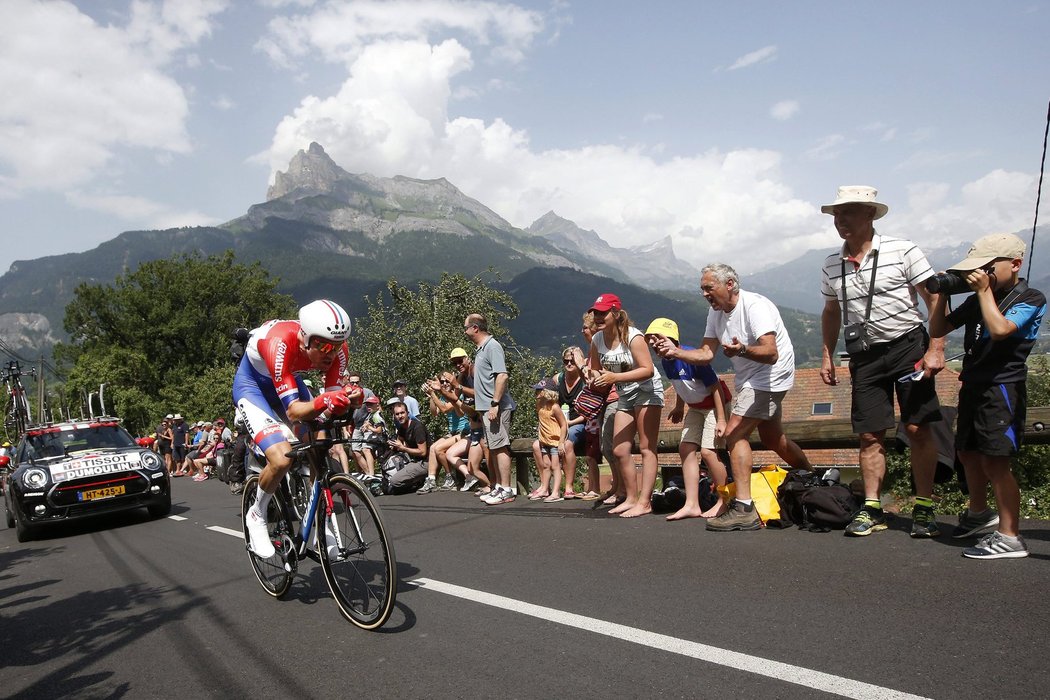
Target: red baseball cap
(604, 302)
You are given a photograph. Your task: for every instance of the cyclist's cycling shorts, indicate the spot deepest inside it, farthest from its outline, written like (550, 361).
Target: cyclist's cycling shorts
(262, 411)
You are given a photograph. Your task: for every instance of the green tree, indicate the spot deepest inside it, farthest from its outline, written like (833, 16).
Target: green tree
(159, 336)
(409, 332)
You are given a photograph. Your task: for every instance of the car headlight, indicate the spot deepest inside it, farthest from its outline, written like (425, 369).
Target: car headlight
(150, 460)
(34, 478)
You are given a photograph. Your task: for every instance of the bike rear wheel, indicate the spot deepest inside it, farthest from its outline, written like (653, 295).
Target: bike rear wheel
(363, 576)
(274, 574)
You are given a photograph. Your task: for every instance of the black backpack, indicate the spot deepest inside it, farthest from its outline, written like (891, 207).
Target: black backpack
(828, 506)
(814, 504)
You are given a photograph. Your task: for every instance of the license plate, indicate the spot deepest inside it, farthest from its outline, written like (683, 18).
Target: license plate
(97, 494)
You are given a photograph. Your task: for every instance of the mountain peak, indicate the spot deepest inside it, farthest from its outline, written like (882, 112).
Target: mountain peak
(311, 170)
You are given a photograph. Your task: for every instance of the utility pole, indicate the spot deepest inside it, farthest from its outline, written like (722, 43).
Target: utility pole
(40, 392)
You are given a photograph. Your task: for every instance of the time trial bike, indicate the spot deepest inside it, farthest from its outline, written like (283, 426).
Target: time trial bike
(340, 528)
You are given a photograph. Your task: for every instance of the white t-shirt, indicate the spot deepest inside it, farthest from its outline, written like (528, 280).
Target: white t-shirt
(753, 317)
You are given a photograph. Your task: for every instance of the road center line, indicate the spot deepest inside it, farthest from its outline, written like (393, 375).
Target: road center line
(226, 531)
(789, 673)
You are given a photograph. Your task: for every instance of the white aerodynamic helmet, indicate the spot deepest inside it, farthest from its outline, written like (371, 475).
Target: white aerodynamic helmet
(324, 319)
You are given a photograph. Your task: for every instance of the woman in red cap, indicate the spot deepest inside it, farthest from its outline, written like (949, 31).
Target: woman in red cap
(621, 357)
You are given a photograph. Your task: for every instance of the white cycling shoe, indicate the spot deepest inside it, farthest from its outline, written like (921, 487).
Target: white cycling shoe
(260, 535)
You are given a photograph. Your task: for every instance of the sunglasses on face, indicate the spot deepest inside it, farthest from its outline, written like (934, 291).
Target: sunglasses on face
(567, 361)
(457, 362)
(324, 346)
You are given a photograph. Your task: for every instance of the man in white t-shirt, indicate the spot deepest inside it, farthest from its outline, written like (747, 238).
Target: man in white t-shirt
(750, 332)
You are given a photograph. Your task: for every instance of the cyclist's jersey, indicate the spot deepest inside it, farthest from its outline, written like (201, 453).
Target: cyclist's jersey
(265, 384)
(274, 355)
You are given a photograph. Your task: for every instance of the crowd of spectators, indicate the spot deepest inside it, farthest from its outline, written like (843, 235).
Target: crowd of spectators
(608, 396)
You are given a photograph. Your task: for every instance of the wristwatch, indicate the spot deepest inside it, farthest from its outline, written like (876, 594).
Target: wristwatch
(743, 351)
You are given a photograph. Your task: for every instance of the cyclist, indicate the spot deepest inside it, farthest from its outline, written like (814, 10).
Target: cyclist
(270, 395)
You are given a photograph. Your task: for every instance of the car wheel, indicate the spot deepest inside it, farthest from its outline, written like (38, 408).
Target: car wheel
(160, 508)
(10, 518)
(23, 531)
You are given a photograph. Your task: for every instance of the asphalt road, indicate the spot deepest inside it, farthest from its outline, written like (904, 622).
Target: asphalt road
(521, 601)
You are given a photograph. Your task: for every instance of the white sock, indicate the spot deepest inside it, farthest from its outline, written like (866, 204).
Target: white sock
(741, 501)
(1011, 540)
(262, 499)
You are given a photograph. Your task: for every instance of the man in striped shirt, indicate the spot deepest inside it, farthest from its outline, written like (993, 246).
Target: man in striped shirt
(892, 272)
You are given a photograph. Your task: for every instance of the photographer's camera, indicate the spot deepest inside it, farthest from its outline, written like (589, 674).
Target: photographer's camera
(947, 283)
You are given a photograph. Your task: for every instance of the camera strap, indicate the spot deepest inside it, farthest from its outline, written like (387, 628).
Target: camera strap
(871, 288)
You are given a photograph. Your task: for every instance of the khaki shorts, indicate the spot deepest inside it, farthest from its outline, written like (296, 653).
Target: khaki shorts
(699, 429)
(497, 434)
(755, 403)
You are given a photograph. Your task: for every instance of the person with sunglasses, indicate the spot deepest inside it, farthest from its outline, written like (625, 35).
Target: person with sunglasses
(270, 395)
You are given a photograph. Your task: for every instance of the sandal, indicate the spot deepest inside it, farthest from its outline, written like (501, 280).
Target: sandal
(570, 495)
(589, 496)
(553, 498)
(538, 496)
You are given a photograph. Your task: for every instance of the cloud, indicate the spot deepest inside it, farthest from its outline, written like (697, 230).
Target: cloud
(937, 214)
(340, 31)
(650, 117)
(762, 55)
(144, 213)
(784, 109)
(86, 90)
(827, 148)
(390, 117)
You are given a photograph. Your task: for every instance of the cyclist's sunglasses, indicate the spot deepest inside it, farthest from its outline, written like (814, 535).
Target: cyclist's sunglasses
(325, 346)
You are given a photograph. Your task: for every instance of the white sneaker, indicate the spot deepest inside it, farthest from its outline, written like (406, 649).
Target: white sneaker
(470, 484)
(260, 535)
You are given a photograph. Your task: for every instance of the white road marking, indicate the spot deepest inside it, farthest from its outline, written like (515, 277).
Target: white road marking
(789, 673)
(176, 517)
(226, 531)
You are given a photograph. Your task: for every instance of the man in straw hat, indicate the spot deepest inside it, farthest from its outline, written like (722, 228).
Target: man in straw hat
(1002, 321)
(870, 289)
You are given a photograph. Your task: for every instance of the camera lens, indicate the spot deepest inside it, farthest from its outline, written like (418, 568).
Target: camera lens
(947, 283)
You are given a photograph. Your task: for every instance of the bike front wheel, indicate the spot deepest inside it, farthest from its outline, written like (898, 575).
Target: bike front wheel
(274, 574)
(357, 555)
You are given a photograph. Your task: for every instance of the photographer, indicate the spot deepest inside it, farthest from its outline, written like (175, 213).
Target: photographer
(870, 292)
(1002, 321)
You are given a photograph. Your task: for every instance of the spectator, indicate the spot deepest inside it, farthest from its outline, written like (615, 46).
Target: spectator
(751, 334)
(570, 383)
(410, 439)
(1002, 321)
(164, 441)
(493, 400)
(620, 355)
(373, 432)
(457, 428)
(238, 462)
(203, 446)
(553, 428)
(206, 455)
(358, 418)
(879, 279)
(179, 444)
(705, 423)
(599, 429)
(400, 389)
(467, 456)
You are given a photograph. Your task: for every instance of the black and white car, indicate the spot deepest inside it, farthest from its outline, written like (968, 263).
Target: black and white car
(75, 469)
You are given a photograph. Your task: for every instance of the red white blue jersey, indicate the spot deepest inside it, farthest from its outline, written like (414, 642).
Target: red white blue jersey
(274, 354)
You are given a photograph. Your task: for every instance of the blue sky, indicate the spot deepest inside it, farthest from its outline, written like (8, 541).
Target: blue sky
(723, 125)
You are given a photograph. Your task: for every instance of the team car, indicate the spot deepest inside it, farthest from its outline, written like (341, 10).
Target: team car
(75, 469)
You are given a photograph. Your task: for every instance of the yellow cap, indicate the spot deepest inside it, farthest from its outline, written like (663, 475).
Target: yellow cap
(457, 352)
(665, 327)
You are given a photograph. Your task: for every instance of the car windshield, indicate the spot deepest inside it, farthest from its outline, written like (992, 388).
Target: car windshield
(58, 443)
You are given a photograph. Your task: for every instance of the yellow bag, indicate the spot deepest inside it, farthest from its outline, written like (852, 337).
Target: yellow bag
(764, 485)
